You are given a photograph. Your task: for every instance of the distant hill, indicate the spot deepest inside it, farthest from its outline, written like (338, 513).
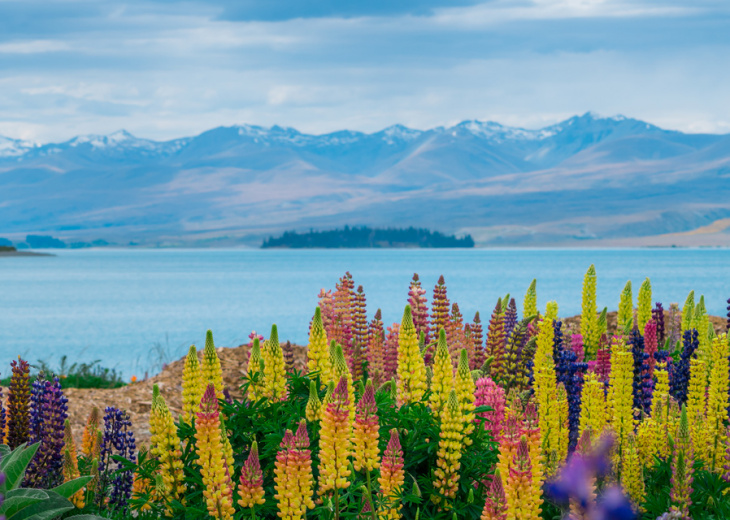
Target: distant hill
(586, 180)
(365, 237)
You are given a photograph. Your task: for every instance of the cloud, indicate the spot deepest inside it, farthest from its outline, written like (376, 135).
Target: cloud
(164, 69)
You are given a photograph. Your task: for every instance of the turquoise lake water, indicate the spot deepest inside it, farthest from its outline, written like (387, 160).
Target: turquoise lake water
(126, 306)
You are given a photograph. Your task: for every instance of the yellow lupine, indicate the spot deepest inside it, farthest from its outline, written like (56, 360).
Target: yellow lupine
(313, 411)
(274, 368)
(589, 314)
(442, 380)
(632, 478)
(251, 485)
(643, 309)
(318, 359)
(293, 475)
(620, 396)
(529, 306)
(254, 373)
(451, 445)
(593, 406)
(341, 369)
(90, 437)
(625, 316)
(646, 441)
(524, 497)
(366, 431)
(696, 405)
(551, 310)
(660, 409)
(193, 385)
(717, 415)
(165, 446)
(336, 441)
(211, 367)
(465, 388)
(562, 434)
(545, 387)
(411, 368)
(218, 491)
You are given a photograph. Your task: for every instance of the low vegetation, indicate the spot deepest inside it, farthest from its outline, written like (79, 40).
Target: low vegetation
(365, 237)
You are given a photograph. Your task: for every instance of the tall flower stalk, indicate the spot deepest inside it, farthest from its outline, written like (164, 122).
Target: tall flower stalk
(192, 385)
(18, 418)
(391, 479)
(411, 369)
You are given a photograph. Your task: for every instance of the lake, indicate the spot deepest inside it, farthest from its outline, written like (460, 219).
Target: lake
(134, 308)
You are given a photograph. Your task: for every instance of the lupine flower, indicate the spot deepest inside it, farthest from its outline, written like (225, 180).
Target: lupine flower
(636, 340)
(118, 439)
(342, 370)
(455, 333)
(673, 327)
(569, 372)
(562, 434)
(529, 306)
(530, 430)
(546, 392)
(516, 369)
(701, 324)
(643, 305)
(523, 498)
(589, 315)
(495, 505)
(451, 444)
(218, 490)
(443, 379)
(18, 404)
(593, 410)
(274, 370)
(509, 317)
(293, 475)
(192, 385)
(727, 327)
(391, 478)
(717, 401)
(89, 437)
(360, 319)
(390, 354)
(335, 441)
(495, 343)
(211, 367)
(464, 386)
(376, 349)
(419, 306)
(620, 396)
(37, 394)
(366, 431)
(3, 417)
(254, 373)
(688, 311)
(603, 364)
(696, 405)
(551, 310)
(576, 345)
(46, 469)
(488, 393)
(632, 478)
(477, 339)
(439, 306)
(660, 409)
(313, 410)
(165, 446)
(251, 486)
(657, 316)
(71, 464)
(680, 378)
(411, 369)
(288, 352)
(625, 316)
(318, 360)
(682, 468)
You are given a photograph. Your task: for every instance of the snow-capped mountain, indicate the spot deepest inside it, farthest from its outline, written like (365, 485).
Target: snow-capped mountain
(586, 177)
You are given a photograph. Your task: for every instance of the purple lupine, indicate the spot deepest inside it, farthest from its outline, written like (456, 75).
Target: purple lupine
(569, 371)
(636, 340)
(45, 471)
(680, 376)
(18, 403)
(657, 315)
(2, 414)
(573, 484)
(727, 327)
(510, 318)
(117, 439)
(37, 393)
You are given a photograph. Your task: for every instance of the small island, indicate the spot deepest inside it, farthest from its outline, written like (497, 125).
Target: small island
(12, 251)
(366, 237)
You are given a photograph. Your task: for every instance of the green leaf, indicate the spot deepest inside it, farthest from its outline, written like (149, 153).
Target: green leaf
(17, 499)
(53, 506)
(4, 450)
(16, 465)
(68, 489)
(86, 517)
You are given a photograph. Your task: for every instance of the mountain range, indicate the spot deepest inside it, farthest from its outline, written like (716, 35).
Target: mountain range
(588, 180)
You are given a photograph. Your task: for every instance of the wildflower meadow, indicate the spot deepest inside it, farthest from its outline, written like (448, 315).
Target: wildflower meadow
(523, 416)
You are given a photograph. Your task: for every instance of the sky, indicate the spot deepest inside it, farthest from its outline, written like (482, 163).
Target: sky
(163, 69)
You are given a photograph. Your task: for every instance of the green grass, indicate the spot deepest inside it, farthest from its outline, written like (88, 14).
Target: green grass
(77, 375)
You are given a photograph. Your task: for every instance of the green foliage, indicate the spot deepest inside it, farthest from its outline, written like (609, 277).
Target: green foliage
(77, 375)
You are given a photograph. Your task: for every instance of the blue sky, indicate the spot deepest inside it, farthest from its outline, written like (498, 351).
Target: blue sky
(166, 68)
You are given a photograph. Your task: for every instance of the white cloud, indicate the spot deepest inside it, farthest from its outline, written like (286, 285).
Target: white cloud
(33, 47)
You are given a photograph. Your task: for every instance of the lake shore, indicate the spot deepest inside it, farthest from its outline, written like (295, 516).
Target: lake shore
(22, 253)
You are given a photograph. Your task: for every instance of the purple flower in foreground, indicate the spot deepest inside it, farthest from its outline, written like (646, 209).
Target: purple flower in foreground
(576, 483)
(118, 439)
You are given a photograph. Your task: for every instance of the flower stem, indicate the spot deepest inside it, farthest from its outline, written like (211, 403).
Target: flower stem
(370, 495)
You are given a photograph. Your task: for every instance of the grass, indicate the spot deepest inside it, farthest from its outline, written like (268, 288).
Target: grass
(77, 375)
